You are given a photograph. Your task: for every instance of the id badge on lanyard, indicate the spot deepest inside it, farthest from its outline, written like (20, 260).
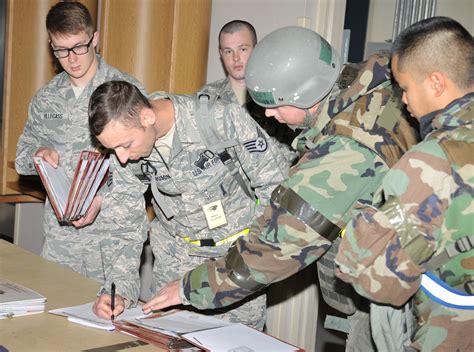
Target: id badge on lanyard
(215, 215)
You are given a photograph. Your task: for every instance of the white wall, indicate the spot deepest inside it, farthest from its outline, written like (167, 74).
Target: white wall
(381, 13)
(460, 10)
(380, 21)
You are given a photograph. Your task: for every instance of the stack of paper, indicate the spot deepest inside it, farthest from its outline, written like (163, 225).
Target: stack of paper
(16, 300)
(71, 199)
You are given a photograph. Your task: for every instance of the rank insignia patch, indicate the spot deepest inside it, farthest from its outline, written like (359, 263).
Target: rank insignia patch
(257, 145)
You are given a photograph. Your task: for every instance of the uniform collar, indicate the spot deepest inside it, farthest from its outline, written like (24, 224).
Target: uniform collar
(445, 117)
(186, 129)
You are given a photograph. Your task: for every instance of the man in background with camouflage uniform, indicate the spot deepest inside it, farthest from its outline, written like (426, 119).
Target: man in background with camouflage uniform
(57, 130)
(354, 133)
(426, 225)
(236, 41)
(209, 166)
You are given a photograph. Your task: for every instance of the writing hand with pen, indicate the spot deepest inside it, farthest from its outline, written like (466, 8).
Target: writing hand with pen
(109, 306)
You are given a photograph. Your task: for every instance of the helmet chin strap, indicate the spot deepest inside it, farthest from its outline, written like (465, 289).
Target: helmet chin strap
(309, 117)
(307, 122)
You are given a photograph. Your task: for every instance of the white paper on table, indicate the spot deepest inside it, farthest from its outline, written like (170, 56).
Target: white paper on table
(237, 338)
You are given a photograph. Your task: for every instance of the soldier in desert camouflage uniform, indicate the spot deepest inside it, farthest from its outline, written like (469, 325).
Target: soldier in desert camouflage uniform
(57, 130)
(427, 223)
(201, 206)
(237, 39)
(356, 131)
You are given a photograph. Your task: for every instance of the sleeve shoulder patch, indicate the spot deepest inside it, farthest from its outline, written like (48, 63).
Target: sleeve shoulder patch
(257, 145)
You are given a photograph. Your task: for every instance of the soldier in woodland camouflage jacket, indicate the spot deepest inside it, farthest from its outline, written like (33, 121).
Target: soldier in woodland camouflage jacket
(356, 132)
(57, 125)
(427, 224)
(200, 205)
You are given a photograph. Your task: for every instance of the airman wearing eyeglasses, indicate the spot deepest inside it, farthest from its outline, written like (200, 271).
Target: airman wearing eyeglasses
(57, 130)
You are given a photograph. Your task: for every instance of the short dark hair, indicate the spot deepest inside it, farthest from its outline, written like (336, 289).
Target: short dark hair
(118, 101)
(437, 44)
(235, 26)
(69, 18)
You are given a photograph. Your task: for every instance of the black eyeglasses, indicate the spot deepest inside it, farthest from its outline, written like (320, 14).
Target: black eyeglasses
(78, 50)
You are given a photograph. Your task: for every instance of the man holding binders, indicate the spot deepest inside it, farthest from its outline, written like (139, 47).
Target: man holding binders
(57, 130)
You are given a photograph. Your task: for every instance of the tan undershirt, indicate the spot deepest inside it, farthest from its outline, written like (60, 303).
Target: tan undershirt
(77, 91)
(241, 93)
(163, 144)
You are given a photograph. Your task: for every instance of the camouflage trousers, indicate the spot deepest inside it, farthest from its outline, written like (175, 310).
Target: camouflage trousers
(359, 338)
(173, 260)
(82, 256)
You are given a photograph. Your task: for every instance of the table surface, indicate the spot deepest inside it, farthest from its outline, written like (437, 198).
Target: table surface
(63, 288)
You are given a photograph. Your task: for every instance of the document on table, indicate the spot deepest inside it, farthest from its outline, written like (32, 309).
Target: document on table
(84, 315)
(237, 337)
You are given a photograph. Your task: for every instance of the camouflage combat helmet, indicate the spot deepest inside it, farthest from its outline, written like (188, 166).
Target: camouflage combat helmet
(291, 66)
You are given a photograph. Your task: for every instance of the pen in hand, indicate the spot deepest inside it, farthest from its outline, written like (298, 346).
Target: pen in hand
(112, 300)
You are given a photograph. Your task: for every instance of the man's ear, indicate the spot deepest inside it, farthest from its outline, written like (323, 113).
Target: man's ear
(437, 83)
(95, 41)
(147, 117)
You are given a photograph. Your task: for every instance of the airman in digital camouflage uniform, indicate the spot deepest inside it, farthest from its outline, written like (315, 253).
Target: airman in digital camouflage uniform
(237, 39)
(426, 225)
(205, 161)
(57, 129)
(355, 131)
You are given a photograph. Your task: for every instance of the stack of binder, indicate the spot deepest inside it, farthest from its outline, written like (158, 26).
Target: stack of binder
(152, 336)
(71, 199)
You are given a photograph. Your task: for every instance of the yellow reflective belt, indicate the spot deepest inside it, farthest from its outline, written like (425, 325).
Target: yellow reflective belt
(229, 239)
(342, 232)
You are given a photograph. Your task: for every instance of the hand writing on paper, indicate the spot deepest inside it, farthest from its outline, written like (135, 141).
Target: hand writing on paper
(91, 213)
(49, 155)
(167, 296)
(102, 304)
